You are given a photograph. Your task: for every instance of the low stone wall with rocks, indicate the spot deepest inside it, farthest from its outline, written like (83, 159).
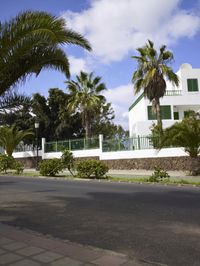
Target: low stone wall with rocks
(29, 162)
(183, 163)
(167, 163)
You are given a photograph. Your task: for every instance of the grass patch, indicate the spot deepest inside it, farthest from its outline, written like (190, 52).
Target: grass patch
(146, 180)
(128, 179)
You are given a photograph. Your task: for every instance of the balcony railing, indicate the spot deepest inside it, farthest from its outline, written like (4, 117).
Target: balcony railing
(173, 93)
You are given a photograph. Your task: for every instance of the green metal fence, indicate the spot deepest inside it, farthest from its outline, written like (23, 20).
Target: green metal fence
(72, 144)
(137, 143)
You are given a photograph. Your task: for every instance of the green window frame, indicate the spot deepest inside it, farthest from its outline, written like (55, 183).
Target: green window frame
(192, 84)
(165, 112)
(176, 115)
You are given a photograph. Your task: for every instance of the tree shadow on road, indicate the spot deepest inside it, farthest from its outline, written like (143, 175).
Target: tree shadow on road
(140, 224)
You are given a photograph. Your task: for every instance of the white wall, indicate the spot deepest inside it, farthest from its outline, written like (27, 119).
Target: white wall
(137, 113)
(77, 154)
(150, 153)
(26, 154)
(138, 119)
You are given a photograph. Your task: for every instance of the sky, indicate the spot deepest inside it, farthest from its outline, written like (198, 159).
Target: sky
(115, 28)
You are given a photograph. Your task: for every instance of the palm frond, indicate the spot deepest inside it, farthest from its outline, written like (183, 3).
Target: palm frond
(27, 39)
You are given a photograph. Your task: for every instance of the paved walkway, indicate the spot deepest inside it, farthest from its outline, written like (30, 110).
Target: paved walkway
(25, 248)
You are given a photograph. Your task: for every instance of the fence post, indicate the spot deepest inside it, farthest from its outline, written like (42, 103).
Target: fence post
(43, 147)
(101, 142)
(70, 148)
(56, 146)
(85, 145)
(139, 147)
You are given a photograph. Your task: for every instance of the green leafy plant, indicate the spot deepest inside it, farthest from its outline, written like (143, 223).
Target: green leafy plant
(32, 41)
(91, 169)
(50, 167)
(159, 175)
(156, 135)
(8, 162)
(184, 134)
(11, 136)
(19, 168)
(67, 160)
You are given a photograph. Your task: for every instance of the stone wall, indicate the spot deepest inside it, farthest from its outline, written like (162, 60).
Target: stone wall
(29, 162)
(183, 163)
(166, 163)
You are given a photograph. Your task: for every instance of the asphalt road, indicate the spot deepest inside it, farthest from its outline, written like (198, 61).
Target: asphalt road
(156, 224)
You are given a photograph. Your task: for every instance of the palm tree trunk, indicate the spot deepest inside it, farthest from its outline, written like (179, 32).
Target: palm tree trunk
(87, 126)
(158, 114)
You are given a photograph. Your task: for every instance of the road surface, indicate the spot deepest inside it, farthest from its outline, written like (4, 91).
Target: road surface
(159, 225)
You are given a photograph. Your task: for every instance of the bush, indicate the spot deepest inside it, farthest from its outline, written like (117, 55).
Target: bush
(159, 175)
(50, 167)
(8, 162)
(18, 167)
(156, 135)
(67, 160)
(91, 169)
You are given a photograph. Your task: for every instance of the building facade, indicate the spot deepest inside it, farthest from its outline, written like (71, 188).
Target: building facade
(174, 105)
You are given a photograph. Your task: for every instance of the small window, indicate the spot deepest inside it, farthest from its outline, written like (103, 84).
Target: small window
(165, 112)
(176, 115)
(192, 84)
(151, 114)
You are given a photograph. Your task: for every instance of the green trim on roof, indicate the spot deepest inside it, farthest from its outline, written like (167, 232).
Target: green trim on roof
(136, 101)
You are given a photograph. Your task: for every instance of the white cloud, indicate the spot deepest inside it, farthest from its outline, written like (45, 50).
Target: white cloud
(77, 64)
(121, 98)
(116, 27)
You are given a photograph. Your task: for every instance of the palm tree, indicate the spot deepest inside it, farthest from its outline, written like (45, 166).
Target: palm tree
(12, 100)
(31, 42)
(85, 97)
(10, 137)
(151, 73)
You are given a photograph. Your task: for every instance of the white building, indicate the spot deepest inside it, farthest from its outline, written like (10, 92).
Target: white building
(174, 105)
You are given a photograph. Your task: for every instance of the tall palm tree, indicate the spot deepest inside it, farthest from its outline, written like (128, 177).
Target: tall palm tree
(10, 137)
(85, 96)
(31, 42)
(152, 71)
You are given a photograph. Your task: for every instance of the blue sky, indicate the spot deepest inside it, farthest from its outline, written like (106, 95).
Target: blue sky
(115, 28)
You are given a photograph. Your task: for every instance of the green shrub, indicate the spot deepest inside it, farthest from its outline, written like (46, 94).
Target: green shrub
(91, 169)
(18, 167)
(6, 162)
(67, 160)
(159, 175)
(50, 167)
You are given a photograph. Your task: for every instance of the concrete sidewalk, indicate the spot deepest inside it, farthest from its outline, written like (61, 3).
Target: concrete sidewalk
(26, 248)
